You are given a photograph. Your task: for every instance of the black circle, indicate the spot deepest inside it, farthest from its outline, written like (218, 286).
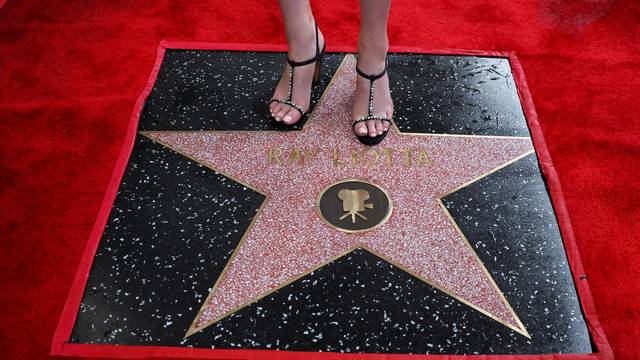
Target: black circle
(377, 209)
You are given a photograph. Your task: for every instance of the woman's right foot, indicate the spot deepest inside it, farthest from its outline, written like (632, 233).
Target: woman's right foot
(302, 48)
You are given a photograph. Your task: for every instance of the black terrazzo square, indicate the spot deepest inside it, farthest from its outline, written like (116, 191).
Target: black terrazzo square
(175, 223)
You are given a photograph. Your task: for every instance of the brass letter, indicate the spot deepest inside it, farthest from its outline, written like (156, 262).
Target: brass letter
(423, 158)
(406, 154)
(374, 159)
(294, 156)
(389, 154)
(273, 155)
(355, 159)
(336, 160)
(309, 154)
(356, 156)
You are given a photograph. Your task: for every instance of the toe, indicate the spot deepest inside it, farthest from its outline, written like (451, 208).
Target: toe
(379, 127)
(386, 124)
(361, 128)
(371, 126)
(291, 116)
(283, 110)
(276, 109)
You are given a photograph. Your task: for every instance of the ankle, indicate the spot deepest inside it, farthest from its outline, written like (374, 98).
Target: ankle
(302, 44)
(372, 55)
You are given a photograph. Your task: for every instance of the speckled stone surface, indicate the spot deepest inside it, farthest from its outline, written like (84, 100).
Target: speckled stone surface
(358, 303)
(455, 95)
(172, 228)
(288, 238)
(519, 241)
(225, 90)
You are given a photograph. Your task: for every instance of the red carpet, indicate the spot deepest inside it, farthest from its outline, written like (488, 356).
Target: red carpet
(71, 71)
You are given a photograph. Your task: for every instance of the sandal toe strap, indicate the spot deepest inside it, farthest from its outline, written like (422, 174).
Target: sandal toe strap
(290, 103)
(370, 117)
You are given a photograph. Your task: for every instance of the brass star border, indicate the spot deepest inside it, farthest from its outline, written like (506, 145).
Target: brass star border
(194, 328)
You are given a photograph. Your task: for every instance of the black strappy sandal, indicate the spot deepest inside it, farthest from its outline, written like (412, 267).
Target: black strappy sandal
(366, 139)
(316, 78)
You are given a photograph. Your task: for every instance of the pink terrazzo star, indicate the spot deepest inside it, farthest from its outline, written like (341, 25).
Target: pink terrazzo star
(288, 239)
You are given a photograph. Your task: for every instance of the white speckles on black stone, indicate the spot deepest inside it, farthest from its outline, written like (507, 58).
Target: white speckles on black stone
(361, 303)
(171, 229)
(509, 221)
(175, 223)
(455, 95)
(221, 90)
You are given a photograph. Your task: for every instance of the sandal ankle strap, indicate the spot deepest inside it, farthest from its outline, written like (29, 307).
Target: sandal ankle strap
(372, 77)
(314, 58)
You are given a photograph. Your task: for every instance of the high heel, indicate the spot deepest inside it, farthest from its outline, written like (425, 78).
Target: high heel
(366, 139)
(316, 71)
(316, 77)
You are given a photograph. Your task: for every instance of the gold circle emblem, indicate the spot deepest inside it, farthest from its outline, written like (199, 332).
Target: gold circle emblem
(354, 205)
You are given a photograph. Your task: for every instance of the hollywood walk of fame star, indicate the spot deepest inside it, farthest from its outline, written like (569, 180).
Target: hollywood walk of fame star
(287, 240)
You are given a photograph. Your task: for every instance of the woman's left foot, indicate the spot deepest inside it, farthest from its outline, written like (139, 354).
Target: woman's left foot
(382, 102)
(311, 47)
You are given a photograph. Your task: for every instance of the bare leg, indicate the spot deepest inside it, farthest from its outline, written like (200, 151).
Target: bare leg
(373, 45)
(298, 22)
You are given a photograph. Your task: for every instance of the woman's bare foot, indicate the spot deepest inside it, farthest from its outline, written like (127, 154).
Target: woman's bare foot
(302, 46)
(371, 61)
